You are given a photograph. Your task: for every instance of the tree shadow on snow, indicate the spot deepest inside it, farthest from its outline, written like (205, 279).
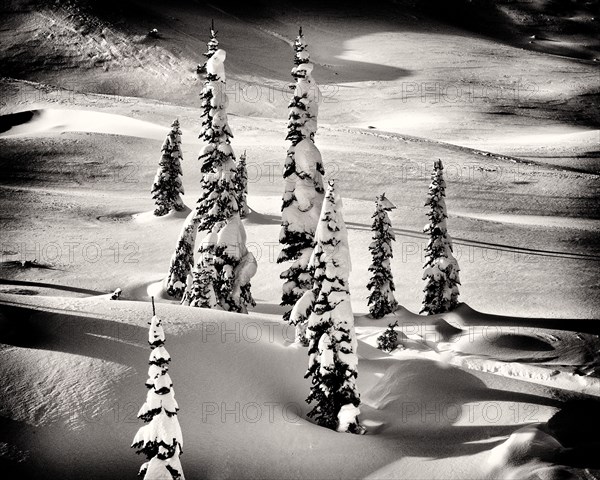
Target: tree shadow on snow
(441, 410)
(53, 286)
(268, 308)
(74, 334)
(256, 218)
(54, 451)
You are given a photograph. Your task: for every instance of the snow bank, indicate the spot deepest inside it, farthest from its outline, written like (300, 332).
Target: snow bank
(56, 120)
(528, 454)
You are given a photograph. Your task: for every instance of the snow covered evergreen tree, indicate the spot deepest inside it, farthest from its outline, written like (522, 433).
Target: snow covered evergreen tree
(217, 208)
(381, 300)
(167, 186)
(327, 311)
(241, 185)
(160, 439)
(441, 270)
(388, 340)
(303, 171)
(182, 260)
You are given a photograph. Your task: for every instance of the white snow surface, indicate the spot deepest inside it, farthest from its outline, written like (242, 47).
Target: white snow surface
(74, 368)
(203, 342)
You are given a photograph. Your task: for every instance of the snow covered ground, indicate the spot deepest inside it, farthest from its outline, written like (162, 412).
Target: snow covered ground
(471, 393)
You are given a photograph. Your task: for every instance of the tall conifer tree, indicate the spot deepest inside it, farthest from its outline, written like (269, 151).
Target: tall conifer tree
(303, 171)
(381, 300)
(326, 309)
(440, 271)
(167, 187)
(218, 209)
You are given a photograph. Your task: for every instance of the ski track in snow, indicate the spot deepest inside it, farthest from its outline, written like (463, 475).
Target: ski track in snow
(54, 120)
(488, 245)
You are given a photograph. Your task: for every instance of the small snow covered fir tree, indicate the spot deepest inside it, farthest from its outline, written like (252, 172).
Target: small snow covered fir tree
(327, 311)
(381, 300)
(303, 171)
(388, 340)
(182, 260)
(218, 209)
(160, 439)
(167, 186)
(241, 186)
(441, 270)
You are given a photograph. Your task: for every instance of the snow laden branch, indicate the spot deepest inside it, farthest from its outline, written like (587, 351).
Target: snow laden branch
(303, 171)
(160, 439)
(326, 312)
(441, 268)
(381, 301)
(167, 186)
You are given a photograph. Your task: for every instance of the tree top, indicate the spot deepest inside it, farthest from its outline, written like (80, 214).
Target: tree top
(384, 203)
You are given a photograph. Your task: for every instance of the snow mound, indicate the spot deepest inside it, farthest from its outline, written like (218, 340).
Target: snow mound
(528, 454)
(418, 391)
(57, 120)
(149, 217)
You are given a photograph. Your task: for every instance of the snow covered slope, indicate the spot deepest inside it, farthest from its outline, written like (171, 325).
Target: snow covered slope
(392, 67)
(83, 117)
(87, 361)
(101, 172)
